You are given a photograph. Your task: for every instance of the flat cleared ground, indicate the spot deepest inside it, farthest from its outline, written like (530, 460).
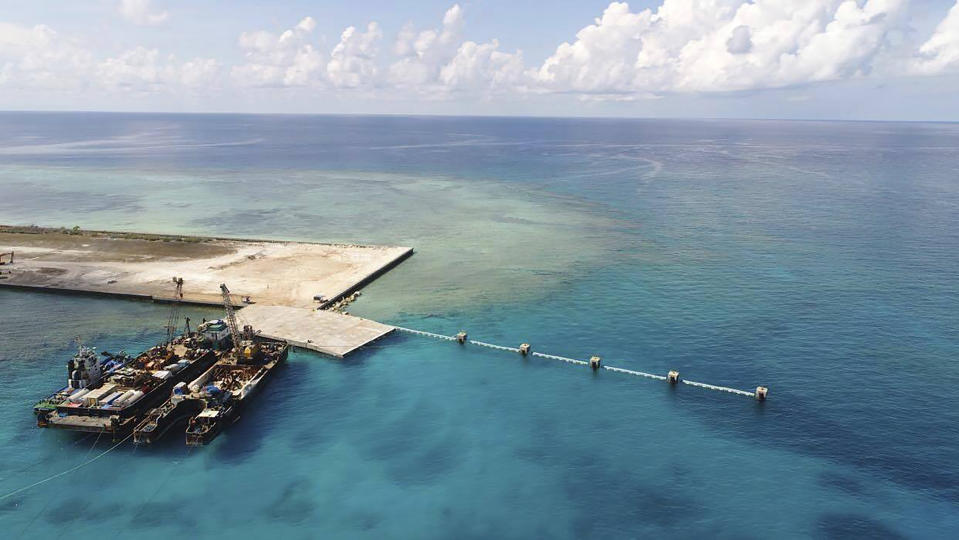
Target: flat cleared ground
(271, 273)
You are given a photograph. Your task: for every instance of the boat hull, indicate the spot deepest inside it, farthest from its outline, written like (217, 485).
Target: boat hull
(162, 419)
(120, 422)
(231, 414)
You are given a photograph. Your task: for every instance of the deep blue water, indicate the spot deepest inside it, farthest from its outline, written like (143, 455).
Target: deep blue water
(819, 259)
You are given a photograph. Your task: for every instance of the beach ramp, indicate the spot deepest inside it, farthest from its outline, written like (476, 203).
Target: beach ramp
(326, 332)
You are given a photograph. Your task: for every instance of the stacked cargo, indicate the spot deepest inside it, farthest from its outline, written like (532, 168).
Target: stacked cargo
(117, 394)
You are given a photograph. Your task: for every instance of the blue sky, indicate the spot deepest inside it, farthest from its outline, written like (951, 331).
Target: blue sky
(844, 59)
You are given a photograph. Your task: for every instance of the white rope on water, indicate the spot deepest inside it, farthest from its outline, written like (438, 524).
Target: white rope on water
(561, 358)
(636, 373)
(68, 471)
(581, 362)
(497, 347)
(427, 334)
(50, 500)
(719, 388)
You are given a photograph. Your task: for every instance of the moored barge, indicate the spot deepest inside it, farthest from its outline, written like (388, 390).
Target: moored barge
(229, 385)
(213, 400)
(101, 398)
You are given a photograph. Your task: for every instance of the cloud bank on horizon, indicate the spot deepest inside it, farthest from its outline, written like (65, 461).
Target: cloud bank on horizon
(677, 47)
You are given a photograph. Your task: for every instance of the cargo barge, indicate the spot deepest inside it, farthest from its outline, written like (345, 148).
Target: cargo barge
(175, 411)
(230, 384)
(214, 400)
(179, 407)
(112, 393)
(144, 397)
(104, 398)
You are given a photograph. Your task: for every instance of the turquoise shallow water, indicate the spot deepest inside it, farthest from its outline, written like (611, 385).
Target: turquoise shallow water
(816, 258)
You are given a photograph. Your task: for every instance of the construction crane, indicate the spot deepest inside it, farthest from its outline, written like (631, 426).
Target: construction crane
(231, 319)
(174, 320)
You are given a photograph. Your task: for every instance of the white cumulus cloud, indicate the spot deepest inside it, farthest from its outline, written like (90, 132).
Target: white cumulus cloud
(142, 70)
(292, 59)
(142, 12)
(353, 61)
(438, 61)
(721, 45)
(423, 54)
(677, 46)
(199, 73)
(287, 59)
(483, 67)
(39, 57)
(941, 51)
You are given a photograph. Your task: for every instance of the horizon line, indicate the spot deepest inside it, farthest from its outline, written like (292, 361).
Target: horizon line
(500, 116)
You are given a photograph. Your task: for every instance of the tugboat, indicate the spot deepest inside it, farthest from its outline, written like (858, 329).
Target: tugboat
(217, 332)
(84, 372)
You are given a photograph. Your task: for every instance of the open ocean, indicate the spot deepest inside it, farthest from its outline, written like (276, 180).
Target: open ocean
(819, 259)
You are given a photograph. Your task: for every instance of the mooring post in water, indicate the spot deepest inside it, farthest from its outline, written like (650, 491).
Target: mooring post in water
(595, 362)
(461, 338)
(761, 392)
(672, 377)
(524, 349)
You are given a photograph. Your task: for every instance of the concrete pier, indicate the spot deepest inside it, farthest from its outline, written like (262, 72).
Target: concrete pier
(327, 332)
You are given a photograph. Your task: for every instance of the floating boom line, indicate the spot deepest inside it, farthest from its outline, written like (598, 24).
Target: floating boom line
(672, 377)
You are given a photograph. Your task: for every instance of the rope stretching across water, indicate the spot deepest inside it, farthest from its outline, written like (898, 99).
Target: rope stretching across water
(68, 471)
(580, 362)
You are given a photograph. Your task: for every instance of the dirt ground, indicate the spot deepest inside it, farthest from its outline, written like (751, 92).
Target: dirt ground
(272, 273)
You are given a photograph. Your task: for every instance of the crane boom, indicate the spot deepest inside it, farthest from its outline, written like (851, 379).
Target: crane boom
(174, 319)
(231, 318)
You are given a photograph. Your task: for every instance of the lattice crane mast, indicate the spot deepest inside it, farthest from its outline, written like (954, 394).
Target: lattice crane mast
(174, 319)
(231, 319)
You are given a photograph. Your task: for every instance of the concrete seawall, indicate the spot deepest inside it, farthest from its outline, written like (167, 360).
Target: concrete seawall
(370, 278)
